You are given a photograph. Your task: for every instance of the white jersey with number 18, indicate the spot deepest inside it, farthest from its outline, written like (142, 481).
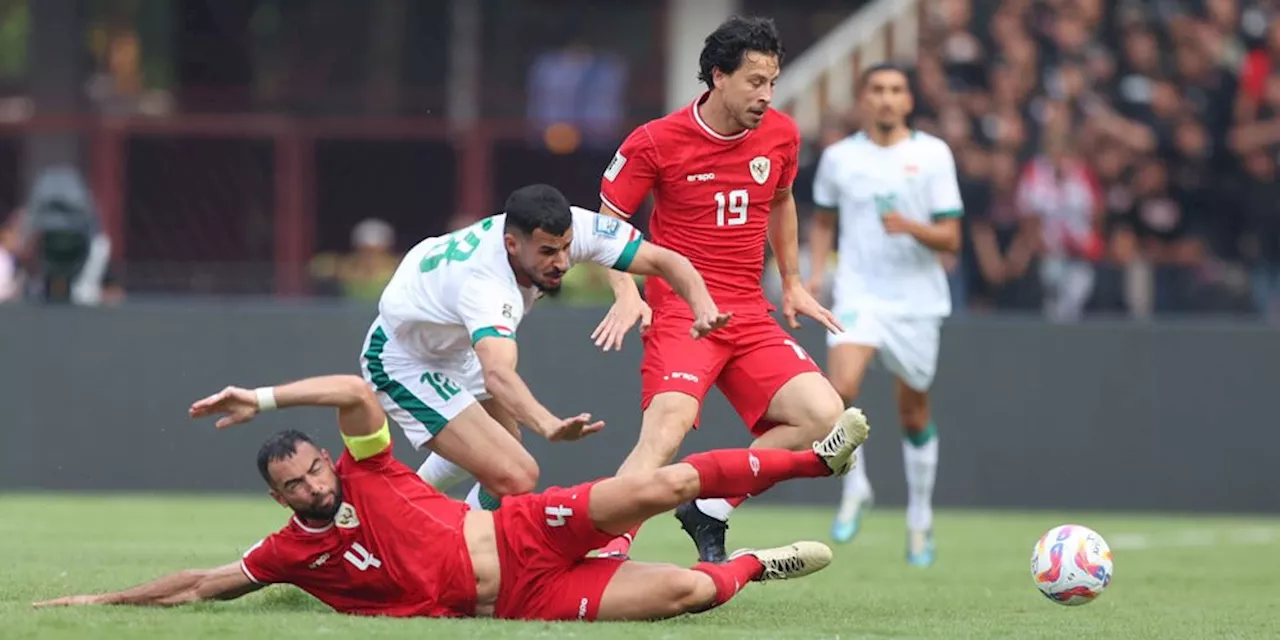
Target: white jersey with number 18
(452, 290)
(891, 274)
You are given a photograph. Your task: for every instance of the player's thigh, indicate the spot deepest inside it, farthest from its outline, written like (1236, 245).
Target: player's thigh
(673, 365)
(476, 442)
(644, 591)
(422, 398)
(772, 380)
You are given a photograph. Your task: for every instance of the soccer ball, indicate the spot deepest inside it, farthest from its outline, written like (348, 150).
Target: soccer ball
(1071, 564)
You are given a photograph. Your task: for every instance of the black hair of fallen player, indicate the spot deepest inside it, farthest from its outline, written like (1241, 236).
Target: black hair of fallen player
(883, 67)
(538, 206)
(278, 447)
(727, 46)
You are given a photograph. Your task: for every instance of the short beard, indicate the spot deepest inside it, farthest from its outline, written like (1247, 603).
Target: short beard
(321, 515)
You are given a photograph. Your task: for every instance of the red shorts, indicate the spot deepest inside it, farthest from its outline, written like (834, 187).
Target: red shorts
(543, 539)
(749, 360)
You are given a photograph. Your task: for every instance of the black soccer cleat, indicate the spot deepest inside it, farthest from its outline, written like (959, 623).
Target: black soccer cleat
(707, 533)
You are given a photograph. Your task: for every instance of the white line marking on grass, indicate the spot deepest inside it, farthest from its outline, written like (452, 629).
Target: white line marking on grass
(1193, 538)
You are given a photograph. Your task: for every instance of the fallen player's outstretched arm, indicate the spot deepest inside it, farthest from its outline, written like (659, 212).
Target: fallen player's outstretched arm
(184, 587)
(359, 414)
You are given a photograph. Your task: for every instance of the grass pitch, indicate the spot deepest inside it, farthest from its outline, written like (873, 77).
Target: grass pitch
(1175, 577)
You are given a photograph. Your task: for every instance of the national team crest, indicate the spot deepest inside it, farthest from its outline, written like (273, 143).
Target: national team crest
(346, 517)
(759, 169)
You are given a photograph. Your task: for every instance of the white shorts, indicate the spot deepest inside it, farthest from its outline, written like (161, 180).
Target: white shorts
(420, 397)
(908, 346)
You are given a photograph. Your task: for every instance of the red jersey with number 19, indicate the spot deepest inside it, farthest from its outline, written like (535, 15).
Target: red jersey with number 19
(712, 193)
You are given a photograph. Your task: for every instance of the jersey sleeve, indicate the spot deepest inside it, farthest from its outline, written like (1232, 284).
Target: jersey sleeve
(266, 561)
(826, 190)
(603, 239)
(944, 188)
(631, 174)
(489, 309)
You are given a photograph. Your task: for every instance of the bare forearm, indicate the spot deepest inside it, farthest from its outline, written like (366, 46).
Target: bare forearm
(944, 238)
(624, 286)
(784, 239)
(687, 282)
(173, 589)
(509, 389)
(322, 391)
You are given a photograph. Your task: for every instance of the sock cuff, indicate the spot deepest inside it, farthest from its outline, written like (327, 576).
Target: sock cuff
(921, 438)
(489, 501)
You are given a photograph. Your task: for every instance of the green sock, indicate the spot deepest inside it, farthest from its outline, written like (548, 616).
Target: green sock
(489, 501)
(921, 438)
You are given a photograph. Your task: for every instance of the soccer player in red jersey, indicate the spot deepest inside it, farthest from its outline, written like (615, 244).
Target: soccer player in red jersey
(370, 537)
(721, 172)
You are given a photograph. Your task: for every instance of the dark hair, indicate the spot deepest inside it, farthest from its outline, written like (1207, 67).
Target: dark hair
(278, 447)
(883, 67)
(725, 48)
(538, 206)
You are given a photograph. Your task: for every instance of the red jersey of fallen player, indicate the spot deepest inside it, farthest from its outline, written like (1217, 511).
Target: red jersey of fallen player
(712, 197)
(395, 548)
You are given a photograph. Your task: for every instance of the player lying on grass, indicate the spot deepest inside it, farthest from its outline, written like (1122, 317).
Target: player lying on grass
(370, 537)
(442, 352)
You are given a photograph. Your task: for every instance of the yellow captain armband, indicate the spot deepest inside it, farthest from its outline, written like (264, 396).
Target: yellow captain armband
(368, 446)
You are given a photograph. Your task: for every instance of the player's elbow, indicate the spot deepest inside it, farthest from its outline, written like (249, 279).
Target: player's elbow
(356, 391)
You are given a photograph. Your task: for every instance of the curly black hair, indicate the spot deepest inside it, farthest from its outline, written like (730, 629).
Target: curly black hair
(726, 47)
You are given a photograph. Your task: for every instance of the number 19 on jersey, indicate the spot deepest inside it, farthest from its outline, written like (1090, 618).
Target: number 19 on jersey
(732, 210)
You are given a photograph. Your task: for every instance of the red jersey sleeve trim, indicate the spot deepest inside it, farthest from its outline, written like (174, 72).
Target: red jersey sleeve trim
(249, 574)
(623, 212)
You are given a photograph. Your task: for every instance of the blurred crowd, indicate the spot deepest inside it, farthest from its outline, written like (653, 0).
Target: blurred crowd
(1114, 156)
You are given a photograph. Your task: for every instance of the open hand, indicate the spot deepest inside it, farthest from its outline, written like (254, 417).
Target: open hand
(623, 315)
(68, 601)
(238, 405)
(796, 300)
(708, 321)
(575, 428)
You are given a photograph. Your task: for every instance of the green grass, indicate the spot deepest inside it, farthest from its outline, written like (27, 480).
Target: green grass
(1174, 578)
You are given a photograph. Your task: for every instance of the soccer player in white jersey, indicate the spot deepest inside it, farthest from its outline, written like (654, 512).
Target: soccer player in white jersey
(897, 201)
(442, 351)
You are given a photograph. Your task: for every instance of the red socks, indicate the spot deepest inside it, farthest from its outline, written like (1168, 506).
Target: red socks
(730, 577)
(742, 473)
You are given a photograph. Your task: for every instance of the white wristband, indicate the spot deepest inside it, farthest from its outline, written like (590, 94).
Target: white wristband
(266, 398)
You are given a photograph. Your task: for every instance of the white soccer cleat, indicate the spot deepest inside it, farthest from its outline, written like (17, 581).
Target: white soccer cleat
(836, 450)
(795, 560)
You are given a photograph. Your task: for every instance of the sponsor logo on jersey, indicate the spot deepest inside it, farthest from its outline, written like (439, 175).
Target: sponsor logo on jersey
(346, 517)
(607, 226)
(319, 562)
(615, 166)
(759, 169)
(700, 177)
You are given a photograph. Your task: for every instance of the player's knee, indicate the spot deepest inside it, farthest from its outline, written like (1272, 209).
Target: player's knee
(675, 484)
(514, 479)
(690, 591)
(821, 414)
(665, 425)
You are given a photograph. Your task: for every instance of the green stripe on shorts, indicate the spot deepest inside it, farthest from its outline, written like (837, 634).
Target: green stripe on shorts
(404, 398)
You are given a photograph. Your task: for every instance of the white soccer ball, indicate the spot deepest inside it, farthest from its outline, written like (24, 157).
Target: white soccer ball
(1071, 564)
